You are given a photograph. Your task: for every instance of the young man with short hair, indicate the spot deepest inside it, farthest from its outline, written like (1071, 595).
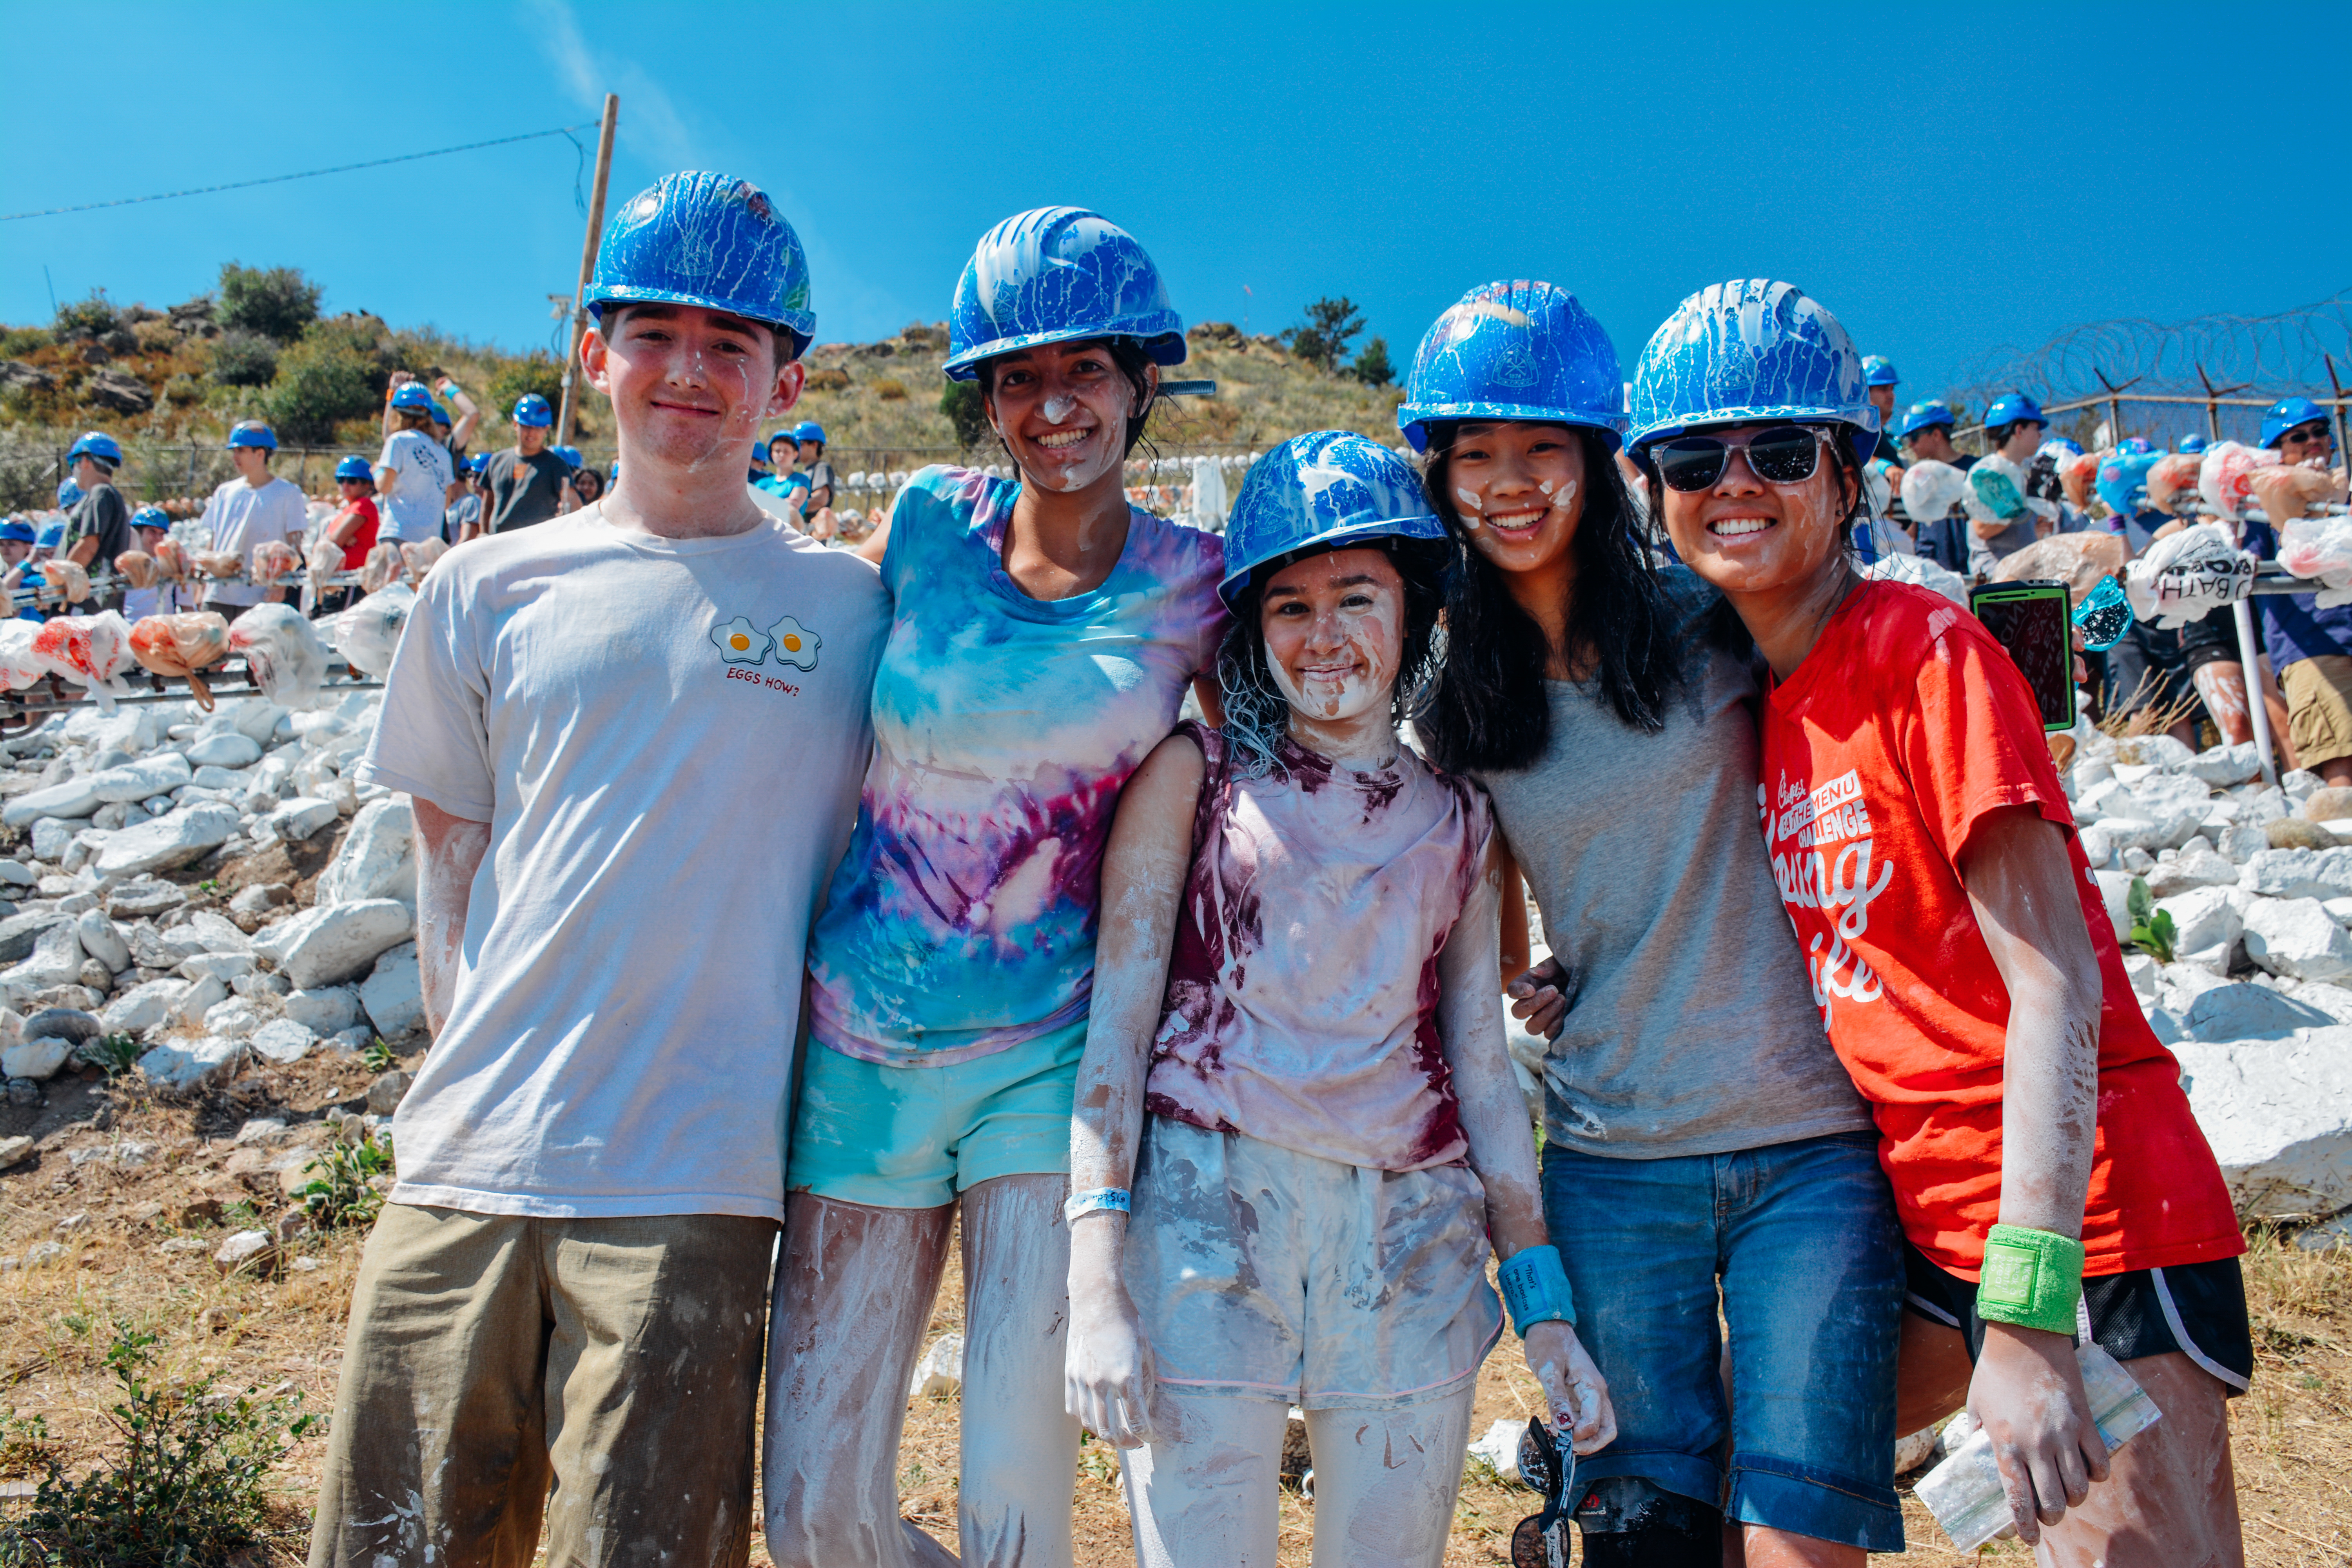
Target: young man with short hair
(528, 482)
(98, 529)
(569, 1282)
(254, 506)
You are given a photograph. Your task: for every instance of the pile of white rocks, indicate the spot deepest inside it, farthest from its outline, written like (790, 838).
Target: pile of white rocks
(2257, 1001)
(97, 944)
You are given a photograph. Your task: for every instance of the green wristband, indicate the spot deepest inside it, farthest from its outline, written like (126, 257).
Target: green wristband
(2032, 1279)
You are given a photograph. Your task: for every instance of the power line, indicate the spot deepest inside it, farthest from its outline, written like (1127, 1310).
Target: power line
(306, 175)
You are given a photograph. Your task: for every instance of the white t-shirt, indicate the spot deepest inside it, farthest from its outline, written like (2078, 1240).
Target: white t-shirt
(413, 510)
(239, 516)
(668, 786)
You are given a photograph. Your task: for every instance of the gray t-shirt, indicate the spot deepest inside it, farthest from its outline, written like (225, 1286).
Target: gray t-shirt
(1691, 1027)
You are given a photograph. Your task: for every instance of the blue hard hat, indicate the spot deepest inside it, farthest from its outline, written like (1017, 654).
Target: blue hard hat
(1518, 350)
(2189, 445)
(2285, 415)
(1920, 415)
(2065, 446)
(531, 409)
(614, 473)
(1332, 488)
(412, 395)
(2130, 444)
(96, 444)
(1053, 276)
(571, 455)
(252, 433)
(2122, 481)
(1879, 371)
(478, 462)
(809, 431)
(52, 534)
(145, 517)
(16, 533)
(760, 451)
(2014, 409)
(1747, 351)
(706, 239)
(354, 468)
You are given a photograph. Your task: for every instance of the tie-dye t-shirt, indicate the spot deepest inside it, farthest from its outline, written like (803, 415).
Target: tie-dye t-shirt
(962, 918)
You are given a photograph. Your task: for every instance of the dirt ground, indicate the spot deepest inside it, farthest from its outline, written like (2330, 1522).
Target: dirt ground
(283, 1329)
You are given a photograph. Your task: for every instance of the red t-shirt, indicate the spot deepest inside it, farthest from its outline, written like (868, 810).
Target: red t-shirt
(1903, 729)
(355, 553)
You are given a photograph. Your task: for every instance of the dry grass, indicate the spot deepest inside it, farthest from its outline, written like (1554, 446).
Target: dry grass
(287, 1329)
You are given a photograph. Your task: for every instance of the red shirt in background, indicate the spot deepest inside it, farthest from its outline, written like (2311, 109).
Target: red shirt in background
(1904, 728)
(355, 553)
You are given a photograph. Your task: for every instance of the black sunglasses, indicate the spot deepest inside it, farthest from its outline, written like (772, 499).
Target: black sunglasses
(2315, 435)
(1778, 454)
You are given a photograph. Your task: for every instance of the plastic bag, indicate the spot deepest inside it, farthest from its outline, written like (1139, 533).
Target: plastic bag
(2225, 477)
(1920, 571)
(18, 667)
(136, 567)
(2188, 575)
(222, 563)
(326, 560)
(282, 651)
(182, 645)
(421, 558)
(67, 581)
(369, 632)
(382, 565)
(89, 651)
(171, 562)
(2287, 492)
(1930, 490)
(273, 559)
(1995, 492)
(2077, 475)
(2079, 560)
(2172, 482)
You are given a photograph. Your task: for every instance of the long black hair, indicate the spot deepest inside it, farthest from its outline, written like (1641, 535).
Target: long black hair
(1486, 707)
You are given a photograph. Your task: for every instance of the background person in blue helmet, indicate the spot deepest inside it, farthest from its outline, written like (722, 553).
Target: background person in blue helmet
(2004, 516)
(1926, 434)
(462, 518)
(98, 528)
(528, 482)
(2310, 648)
(353, 527)
(1043, 635)
(254, 507)
(568, 1284)
(16, 537)
(1685, 1059)
(1297, 981)
(413, 476)
(149, 526)
(2045, 1165)
(1880, 378)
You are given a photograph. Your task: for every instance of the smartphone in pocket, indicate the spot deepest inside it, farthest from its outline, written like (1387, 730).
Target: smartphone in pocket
(2033, 621)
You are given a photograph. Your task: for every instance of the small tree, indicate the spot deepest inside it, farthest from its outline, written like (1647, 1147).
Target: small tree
(537, 370)
(240, 358)
(1323, 340)
(321, 382)
(87, 317)
(1371, 366)
(966, 410)
(276, 302)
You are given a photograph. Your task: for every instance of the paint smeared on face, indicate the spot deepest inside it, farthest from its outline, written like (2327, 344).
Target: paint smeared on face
(1334, 628)
(1515, 488)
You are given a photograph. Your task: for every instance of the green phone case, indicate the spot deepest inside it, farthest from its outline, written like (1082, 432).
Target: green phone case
(2034, 621)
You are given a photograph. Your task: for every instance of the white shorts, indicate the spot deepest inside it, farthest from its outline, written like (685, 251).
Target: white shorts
(1264, 1273)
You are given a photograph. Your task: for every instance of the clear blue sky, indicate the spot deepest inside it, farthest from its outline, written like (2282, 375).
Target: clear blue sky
(1947, 181)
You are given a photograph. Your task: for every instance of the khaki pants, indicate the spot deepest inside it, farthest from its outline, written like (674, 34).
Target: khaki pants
(2319, 708)
(491, 1358)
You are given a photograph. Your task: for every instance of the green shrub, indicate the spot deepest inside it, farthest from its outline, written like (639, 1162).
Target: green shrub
(2152, 929)
(962, 402)
(87, 317)
(276, 302)
(1371, 366)
(537, 371)
(188, 1485)
(320, 382)
(16, 343)
(343, 1192)
(242, 358)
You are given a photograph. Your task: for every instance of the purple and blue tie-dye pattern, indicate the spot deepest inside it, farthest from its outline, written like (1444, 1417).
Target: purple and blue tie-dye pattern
(962, 921)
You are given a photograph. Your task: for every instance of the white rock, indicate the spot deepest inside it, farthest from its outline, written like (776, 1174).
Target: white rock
(350, 1042)
(159, 775)
(393, 993)
(378, 859)
(2244, 1012)
(2293, 937)
(2279, 1118)
(1500, 1449)
(2178, 986)
(247, 1249)
(2333, 1000)
(175, 838)
(2114, 887)
(255, 717)
(2262, 806)
(264, 1129)
(2142, 972)
(1912, 1452)
(2098, 846)
(2242, 844)
(327, 946)
(2129, 833)
(2298, 782)
(224, 966)
(142, 1007)
(102, 940)
(283, 1041)
(189, 1064)
(51, 835)
(2221, 767)
(215, 931)
(257, 985)
(296, 819)
(55, 960)
(2196, 865)
(2327, 1238)
(941, 1372)
(229, 750)
(2299, 874)
(2153, 751)
(75, 799)
(329, 1010)
(199, 998)
(35, 1058)
(2101, 798)
(2201, 918)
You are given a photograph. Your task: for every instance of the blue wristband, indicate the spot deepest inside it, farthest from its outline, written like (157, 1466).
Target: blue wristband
(1099, 1198)
(1535, 1288)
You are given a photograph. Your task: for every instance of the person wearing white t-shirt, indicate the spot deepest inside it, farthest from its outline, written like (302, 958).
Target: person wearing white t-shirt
(413, 477)
(254, 507)
(593, 717)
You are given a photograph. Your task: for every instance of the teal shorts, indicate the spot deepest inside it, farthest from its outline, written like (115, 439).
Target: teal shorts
(912, 1138)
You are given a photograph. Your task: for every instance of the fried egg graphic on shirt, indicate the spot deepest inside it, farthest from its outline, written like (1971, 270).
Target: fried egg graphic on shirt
(796, 644)
(740, 642)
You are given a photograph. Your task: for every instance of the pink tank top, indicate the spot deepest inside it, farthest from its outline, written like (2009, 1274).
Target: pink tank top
(1302, 993)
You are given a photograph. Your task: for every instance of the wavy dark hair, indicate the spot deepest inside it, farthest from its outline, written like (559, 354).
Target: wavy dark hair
(1134, 362)
(1485, 707)
(1258, 715)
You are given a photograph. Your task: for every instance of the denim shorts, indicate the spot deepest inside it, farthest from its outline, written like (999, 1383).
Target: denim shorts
(899, 1137)
(1801, 1243)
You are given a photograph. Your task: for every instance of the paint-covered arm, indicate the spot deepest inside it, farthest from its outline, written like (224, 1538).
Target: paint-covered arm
(1503, 1146)
(1107, 1368)
(2028, 1386)
(452, 850)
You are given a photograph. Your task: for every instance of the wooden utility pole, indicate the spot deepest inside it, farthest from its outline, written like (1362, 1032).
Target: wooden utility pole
(587, 267)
